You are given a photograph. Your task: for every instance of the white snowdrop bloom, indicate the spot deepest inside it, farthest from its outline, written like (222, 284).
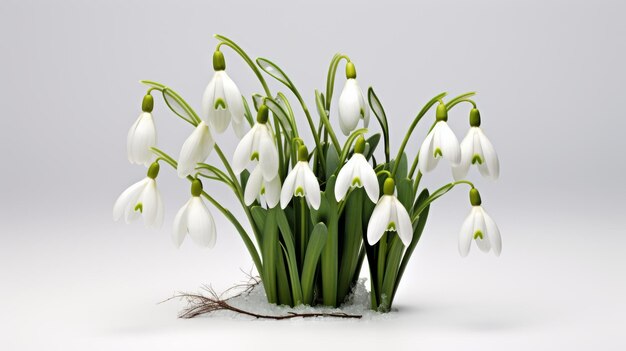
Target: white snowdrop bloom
(195, 219)
(479, 227)
(301, 182)
(439, 143)
(142, 135)
(357, 172)
(258, 186)
(222, 100)
(352, 103)
(476, 149)
(258, 145)
(142, 198)
(389, 215)
(196, 149)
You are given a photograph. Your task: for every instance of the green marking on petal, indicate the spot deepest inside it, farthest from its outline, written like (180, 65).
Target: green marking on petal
(219, 103)
(357, 182)
(477, 159)
(262, 189)
(139, 207)
(391, 226)
(255, 156)
(299, 191)
(478, 234)
(437, 152)
(362, 112)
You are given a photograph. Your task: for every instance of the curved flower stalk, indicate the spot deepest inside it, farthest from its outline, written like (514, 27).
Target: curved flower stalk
(195, 219)
(142, 135)
(479, 227)
(389, 215)
(352, 105)
(195, 149)
(142, 198)
(221, 101)
(301, 182)
(258, 145)
(477, 150)
(439, 143)
(357, 173)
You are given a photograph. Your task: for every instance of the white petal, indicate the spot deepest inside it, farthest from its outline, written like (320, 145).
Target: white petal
(289, 186)
(200, 223)
(466, 234)
(253, 186)
(467, 151)
(491, 162)
(404, 228)
(368, 178)
(195, 150)
(207, 99)
(141, 137)
(128, 198)
(180, 225)
(365, 107)
(349, 107)
(427, 162)
(379, 221)
(311, 187)
(493, 232)
(449, 144)
(479, 225)
(233, 99)
(344, 179)
(158, 221)
(272, 192)
(240, 128)
(242, 154)
(149, 200)
(218, 118)
(268, 155)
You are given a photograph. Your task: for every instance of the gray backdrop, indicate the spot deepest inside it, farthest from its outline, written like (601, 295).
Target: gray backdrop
(550, 77)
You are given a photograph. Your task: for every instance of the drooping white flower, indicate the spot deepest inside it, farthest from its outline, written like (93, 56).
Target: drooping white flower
(258, 144)
(257, 186)
(142, 198)
(439, 143)
(301, 182)
(479, 227)
(357, 172)
(222, 100)
(389, 215)
(195, 219)
(196, 149)
(352, 103)
(142, 135)
(476, 149)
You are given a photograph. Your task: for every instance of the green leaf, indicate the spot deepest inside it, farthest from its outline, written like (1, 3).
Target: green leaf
(405, 193)
(273, 70)
(269, 251)
(370, 145)
(290, 251)
(153, 84)
(391, 272)
(258, 215)
(402, 170)
(247, 112)
(179, 106)
(257, 101)
(351, 235)
(313, 252)
(282, 100)
(434, 196)
(379, 112)
(282, 282)
(332, 162)
(279, 112)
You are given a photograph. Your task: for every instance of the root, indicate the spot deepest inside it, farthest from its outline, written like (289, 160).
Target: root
(199, 304)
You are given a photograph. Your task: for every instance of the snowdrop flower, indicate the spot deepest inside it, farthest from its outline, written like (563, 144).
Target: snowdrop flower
(142, 135)
(301, 182)
(257, 186)
(258, 144)
(477, 149)
(194, 218)
(357, 172)
(222, 100)
(196, 149)
(389, 215)
(439, 143)
(479, 227)
(352, 105)
(142, 198)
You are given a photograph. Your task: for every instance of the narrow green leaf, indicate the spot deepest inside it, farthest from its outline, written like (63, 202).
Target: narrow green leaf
(247, 112)
(370, 145)
(282, 281)
(332, 162)
(405, 193)
(269, 251)
(391, 271)
(379, 112)
(279, 112)
(402, 170)
(179, 106)
(434, 196)
(313, 252)
(153, 84)
(352, 233)
(290, 252)
(273, 70)
(258, 215)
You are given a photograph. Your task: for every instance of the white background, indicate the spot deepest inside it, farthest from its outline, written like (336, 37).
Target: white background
(550, 77)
